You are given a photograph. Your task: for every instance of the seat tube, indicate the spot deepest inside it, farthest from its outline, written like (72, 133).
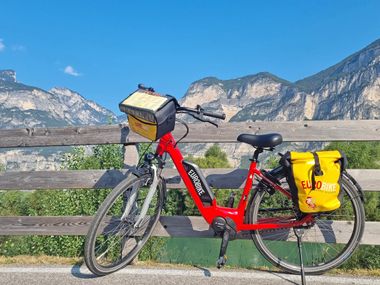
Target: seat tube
(248, 186)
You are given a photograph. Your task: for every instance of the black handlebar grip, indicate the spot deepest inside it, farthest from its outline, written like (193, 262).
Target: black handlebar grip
(215, 115)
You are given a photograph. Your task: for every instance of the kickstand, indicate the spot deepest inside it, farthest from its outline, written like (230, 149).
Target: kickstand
(299, 233)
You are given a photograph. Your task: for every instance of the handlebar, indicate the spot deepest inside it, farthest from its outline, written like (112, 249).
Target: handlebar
(221, 116)
(201, 112)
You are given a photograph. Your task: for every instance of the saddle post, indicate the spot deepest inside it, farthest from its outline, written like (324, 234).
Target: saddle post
(257, 153)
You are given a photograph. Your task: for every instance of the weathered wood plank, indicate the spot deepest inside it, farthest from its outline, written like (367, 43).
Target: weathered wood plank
(131, 155)
(300, 131)
(369, 179)
(80, 135)
(359, 130)
(169, 226)
(70, 179)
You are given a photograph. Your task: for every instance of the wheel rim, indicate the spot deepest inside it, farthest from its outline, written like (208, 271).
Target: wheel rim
(118, 240)
(326, 244)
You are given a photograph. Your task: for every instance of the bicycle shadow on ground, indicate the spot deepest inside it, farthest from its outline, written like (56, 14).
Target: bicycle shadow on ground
(78, 271)
(279, 274)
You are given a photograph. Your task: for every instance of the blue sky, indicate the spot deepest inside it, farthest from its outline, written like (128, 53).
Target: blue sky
(103, 49)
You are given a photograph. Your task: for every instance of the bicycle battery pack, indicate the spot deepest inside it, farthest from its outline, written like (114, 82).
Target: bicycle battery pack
(199, 182)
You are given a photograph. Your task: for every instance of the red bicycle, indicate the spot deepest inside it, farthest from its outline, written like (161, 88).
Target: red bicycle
(127, 217)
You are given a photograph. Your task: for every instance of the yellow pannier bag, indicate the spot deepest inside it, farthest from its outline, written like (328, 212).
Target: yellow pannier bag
(315, 179)
(150, 114)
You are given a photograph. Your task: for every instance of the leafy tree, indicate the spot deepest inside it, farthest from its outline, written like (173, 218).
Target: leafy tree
(361, 155)
(272, 162)
(58, 203)
(103, 157)
(214, 158)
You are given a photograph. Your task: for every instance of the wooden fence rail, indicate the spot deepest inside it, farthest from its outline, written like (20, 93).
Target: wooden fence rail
(168, 226)
(307, 131)
(302, 131)
(222, 178)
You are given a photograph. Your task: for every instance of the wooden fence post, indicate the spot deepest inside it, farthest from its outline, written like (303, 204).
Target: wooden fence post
(131, 155)
(131, 159)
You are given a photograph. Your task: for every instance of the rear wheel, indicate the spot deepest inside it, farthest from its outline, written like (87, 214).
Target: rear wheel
(122, 225)
(327, 243)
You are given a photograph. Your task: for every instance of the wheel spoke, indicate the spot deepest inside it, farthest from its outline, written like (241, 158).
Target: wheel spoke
(327, 242)
(114, 239)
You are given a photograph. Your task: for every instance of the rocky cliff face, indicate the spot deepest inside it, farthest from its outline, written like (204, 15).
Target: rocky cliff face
(22, 105)
(347, 90)
(8, 76)
(262, 96)
(27, 106)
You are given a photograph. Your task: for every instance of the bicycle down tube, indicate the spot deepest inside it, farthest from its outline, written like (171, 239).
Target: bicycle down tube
(210, 212)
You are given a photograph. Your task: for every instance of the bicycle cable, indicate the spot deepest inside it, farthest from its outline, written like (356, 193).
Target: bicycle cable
(186, 133)
(144, 152)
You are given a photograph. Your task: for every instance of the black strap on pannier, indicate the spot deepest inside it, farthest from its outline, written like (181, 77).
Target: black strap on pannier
(317, 171)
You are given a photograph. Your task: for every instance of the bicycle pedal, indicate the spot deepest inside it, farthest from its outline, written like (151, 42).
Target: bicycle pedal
(221, 261)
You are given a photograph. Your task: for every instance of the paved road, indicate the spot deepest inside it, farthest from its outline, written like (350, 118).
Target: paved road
(65, 275)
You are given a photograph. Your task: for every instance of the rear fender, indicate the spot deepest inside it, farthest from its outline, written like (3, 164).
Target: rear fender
(356, 184)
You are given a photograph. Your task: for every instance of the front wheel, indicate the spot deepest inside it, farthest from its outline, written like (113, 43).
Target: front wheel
(327, 243)
(123, 224)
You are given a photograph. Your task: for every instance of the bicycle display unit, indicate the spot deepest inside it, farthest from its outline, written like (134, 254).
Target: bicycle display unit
(291, 240)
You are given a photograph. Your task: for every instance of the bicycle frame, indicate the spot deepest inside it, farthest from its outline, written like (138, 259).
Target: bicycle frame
(167, 144)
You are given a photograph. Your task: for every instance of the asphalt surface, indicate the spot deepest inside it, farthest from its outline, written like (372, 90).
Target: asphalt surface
(66, 275)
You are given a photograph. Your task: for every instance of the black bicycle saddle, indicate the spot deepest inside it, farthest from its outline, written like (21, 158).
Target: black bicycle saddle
(261, 141)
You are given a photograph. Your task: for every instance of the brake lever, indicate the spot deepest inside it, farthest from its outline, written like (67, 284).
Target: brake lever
(200, 118)
(211, 122)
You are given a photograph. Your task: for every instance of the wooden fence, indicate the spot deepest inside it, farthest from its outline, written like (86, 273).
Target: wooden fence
(178, 226)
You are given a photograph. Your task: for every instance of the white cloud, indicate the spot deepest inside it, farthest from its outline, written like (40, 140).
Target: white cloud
(2, 45)
(71, 71)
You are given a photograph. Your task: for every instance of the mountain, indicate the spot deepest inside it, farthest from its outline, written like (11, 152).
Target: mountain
(357, 62)
(348, 90)
(27, 106)
(262, 96)
(22, 105)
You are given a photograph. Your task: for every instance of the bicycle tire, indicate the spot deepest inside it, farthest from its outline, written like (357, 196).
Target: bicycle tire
(316, 254)
(108, 228)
